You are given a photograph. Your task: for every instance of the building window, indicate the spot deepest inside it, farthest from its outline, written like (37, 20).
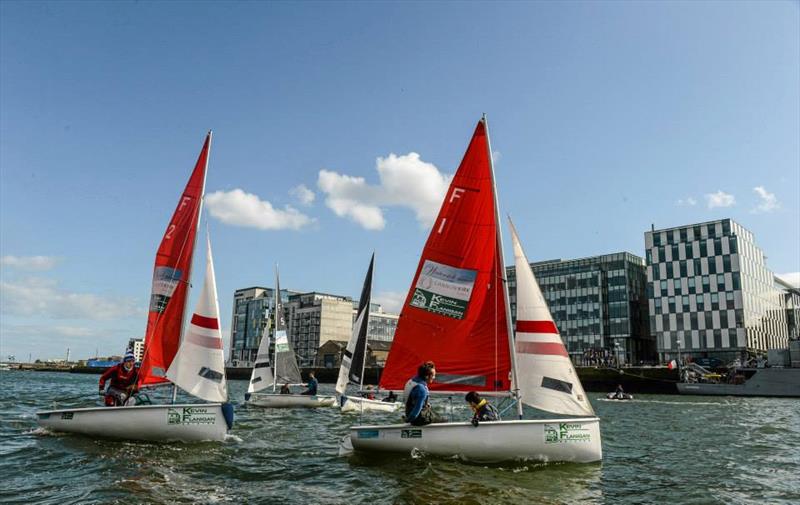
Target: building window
(676, 285)
(685, 301)
(671, 303)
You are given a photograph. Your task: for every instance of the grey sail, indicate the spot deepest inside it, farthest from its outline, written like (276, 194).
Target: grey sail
(286, 369)
(352, 369)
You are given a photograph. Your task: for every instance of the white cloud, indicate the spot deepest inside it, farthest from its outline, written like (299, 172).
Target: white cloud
(768, 200)
(686, 202)
(303, 195)
(720, 199)
(238, 208)
(34, 263)
(792, 278)
(392, 301)
(405, 181)
(42, 298)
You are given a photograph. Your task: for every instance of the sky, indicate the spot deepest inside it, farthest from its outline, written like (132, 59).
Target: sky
(338, 125)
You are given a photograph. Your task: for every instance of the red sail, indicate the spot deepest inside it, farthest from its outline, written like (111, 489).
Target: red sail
(455, 314)
(171, 278)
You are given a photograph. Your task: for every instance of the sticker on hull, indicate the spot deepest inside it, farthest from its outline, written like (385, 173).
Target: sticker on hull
(191, 415)
(411, 434)
(565, 433)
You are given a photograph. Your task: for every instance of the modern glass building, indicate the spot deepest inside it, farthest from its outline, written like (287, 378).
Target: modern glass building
(599, 305)
(711, 293)
(252, 311)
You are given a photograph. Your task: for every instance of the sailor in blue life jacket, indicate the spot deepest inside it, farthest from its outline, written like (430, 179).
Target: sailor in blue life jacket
(312, 385)
(122, 384)
(481, 409)
(418, 410)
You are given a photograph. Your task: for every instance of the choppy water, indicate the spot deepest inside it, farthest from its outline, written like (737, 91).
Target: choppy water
(667, 449)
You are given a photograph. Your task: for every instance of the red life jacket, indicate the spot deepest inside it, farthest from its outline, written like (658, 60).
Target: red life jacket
(120, 378)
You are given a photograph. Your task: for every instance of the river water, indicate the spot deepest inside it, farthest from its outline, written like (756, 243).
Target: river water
(658, 448)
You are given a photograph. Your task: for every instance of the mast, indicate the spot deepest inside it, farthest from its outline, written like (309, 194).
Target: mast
(503, 276)
(194, 245)
(278, 310)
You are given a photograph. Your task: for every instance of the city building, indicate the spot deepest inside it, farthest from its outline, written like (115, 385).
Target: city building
(791, 297)
(252, 312)
(382, 325)
(136, 346)
(711, 293)
(599, 305)
(329, 354)
(313, 319)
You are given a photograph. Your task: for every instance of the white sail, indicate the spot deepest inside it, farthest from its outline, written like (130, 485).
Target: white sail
(547, 379)
(261, 378)
(199, 365)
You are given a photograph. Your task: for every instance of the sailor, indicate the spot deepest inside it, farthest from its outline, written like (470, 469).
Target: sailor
(391, 398)
(285, 389)
(122, 383)
(418, 410)
(481, 409)
(312, 385)
(619, 392)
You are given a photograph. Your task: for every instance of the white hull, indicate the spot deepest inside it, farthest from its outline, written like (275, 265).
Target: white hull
(159, 423)
(563, 440)
(279, 401)
(358, 404)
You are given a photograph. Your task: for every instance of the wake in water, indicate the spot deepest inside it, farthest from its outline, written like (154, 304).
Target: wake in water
(664, 402)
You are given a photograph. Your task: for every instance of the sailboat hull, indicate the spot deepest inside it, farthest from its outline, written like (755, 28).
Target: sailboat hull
(158, 423)
(358, 404)
(279, 401)
(549, 440)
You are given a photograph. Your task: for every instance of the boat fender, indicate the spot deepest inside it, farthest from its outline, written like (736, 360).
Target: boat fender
(227, 413)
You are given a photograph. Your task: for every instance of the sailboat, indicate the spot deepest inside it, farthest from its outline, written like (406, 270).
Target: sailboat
(284, 370)
(352, 369)
(194, 363)
(457, 314)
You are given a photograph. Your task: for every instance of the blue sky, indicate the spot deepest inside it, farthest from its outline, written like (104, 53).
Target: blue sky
(605, 117)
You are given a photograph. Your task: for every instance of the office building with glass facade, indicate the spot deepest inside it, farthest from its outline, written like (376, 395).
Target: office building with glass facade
(711, 294)
(599, 305)
(252, 311)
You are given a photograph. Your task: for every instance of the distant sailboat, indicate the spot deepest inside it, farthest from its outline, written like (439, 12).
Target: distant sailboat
(283, 371)
(194, 363)
(457, 314)
(354, 359)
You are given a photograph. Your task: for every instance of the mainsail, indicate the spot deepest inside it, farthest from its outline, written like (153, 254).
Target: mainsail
(286, 369)
(171, 278)
(455, 311)
(547, 379)
(352, 369)
(199, 365)
(261, 377)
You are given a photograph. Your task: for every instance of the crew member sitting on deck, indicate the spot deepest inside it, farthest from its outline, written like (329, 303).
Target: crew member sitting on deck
(312, 385)
(418, 410)
(285, 389)
(122, 382)
(391, 398)
(481, 409)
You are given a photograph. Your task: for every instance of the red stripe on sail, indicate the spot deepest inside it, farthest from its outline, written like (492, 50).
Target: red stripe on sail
(212, 323)
(537, 327)
(209, 342)
(549, 348)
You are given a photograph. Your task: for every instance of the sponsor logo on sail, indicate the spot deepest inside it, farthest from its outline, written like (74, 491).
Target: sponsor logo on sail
(165, 280)
(564, 433)
(443, 289)
(191, 415)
